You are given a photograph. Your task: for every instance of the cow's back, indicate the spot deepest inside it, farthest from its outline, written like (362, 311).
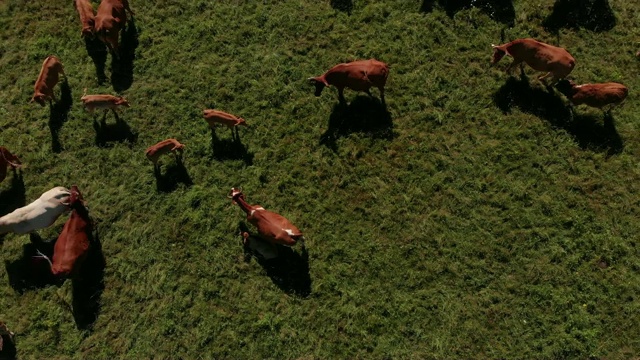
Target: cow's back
(540, 56)
(598, 95)
(377, 72)
(49, 73)
(72, 244)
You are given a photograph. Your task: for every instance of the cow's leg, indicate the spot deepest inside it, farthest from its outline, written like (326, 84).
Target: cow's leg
(368, 91)
(341, 95)
(543, 77)
(513, 65)
(381, 94)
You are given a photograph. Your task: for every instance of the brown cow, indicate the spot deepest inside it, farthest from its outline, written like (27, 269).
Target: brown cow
(216, 117)
(7, 159)
(48, 78)
(72, 245)
(104, 102)
(110, 19)
(356, 75)
(596, 95)
(5, 335)
(556, 61)
(271, 226)
(87, 17)
(164, 147)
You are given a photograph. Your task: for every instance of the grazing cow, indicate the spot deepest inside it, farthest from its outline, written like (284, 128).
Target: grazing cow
(596, 95)
(356, 75)
(272, 227)
(104, 102)
(72, 245)
(48, 78)
(110, 19)
(39, 214)
(555, 61)
(164, 147)
(5, 333)
(216, 117)
(87, 17)
(7, 159)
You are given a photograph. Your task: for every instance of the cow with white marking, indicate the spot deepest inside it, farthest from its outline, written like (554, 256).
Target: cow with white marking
(272, 227)
(40, 214)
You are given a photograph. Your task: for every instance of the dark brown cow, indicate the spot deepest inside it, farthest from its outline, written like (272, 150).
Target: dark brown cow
(48, 78)
(5, 335)
(272, 227)
(72, 245)
(110, 19)
(87, 17)
(596, 95)
(7, 159)
(555, 61)
(358, 75)
(164, 147)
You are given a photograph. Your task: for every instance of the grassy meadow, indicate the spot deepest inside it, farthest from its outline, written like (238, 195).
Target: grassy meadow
(475, 216)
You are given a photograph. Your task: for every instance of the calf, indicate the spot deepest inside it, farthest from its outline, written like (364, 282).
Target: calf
(5, 333)
(104, 102)
(72, 245)
(555, 61)
(356, 75)
(7, 159)
(164, 147)
(596, 95)
(48, 78)
(216, 117)
(87, 17)
(272, 227)
(39, 214)
(110, 19)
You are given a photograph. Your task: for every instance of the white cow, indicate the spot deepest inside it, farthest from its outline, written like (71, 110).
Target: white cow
(39, 214)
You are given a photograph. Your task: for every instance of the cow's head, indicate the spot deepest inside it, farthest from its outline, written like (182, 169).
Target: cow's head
(87, 31)
(498, 53)
(76, 201)
(319, 82)
(242, 122)
(235, 194)
(39, 98)
(122, 101)
(565, 86)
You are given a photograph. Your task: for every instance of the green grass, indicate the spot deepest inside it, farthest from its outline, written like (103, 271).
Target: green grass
(461, 231)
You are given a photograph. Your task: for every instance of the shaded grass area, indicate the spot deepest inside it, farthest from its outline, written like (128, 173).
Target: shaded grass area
(476, 215)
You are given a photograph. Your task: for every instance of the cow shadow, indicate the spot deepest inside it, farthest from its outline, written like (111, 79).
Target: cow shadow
(550, 106)
(31, 271)
(8, 349)
(342, 5)
(289, 271)
(499, 10)
(59, 114)
(122, 66)
(119, 131)
(12, 198)
(15, 196)
(174, 174)
(594, 15)
(365, 114)
(230, 149)
(87, 288)
(97, 51)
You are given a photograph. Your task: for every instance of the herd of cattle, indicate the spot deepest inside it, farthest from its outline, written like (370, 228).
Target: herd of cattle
(273, 229)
